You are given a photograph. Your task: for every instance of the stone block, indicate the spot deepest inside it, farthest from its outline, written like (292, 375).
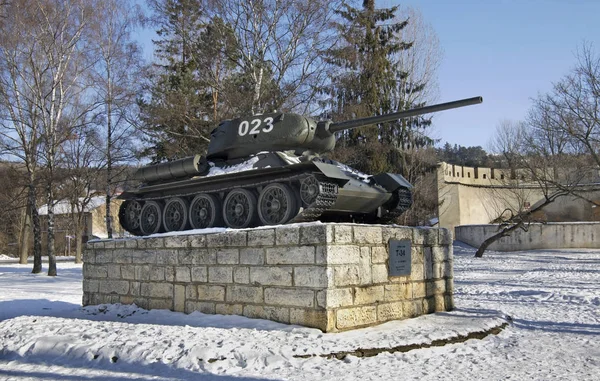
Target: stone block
(398, 292)
(279, 314)
(109, 244)
(154, 243)
(227, 239)
(438, 270)
(445, 236)
(321, 255)
(94, 271)
(142, 272)
(418, 237)
(316, 234)
(122, 256)
(167, 257)
(343, 234)
(345, 276)
(170, 274)
(126, 299)
(211, 293)
(367, 234)
(141, 302)
(449, 287)
(261, 237)
(135, 288)
(191, 292)
(157, 290)
(334, 298)
(417, 271)
(143, 257)
(197, 241)
(438, 253)
(379, 254)
(389, 311)
(183, 274)
(368, 295)
(427, 263)
(203, 307)
(255, 312)
(291, 255)
(227, 256)
(128, 272)
(104, 256)
(379, 273)
(449, 302)
(429, 304)
(285, 236)
(220, 274)
(430, 237)
(176, 241)
(419, 290)
(439, 304)
(90, 285)
(364, 266)
(397, 233)
(252, 256)
(289, 297)
(409, 309)
(355, 317)
(157, 273)
(320, 319)
(179, 298)
(229, 309)
(271, 276)
(199, 274)
(244, 294)
(313, 276)
(342, 255)
(160, 304)
(241, 275)
(131, 243)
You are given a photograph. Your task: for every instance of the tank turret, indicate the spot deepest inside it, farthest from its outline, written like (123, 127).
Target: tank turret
(242, 137)
(267, 170)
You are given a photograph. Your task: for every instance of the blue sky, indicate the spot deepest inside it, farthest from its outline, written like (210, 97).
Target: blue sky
(508, 51)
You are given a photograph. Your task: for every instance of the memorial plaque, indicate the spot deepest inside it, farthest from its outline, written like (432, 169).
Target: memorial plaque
(400, 253)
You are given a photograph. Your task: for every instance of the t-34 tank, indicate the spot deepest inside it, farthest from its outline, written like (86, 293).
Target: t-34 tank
(267, 170)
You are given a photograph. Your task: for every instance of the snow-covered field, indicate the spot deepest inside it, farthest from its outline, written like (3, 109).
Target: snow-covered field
(551, 299)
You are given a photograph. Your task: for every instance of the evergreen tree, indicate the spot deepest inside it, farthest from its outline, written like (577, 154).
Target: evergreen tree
(367, 80)
(177, 115)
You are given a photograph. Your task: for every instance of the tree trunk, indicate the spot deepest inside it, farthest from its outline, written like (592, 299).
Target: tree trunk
(24, 236)
(109, 229)
(78, 239)
(37, 231)
(50, 241)
(503, 233)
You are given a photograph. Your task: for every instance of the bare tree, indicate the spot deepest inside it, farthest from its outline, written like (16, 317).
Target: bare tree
(115, 79)
(280, 42)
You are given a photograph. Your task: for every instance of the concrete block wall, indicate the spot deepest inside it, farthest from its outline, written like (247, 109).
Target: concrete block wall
(551, 235)
(329, 276)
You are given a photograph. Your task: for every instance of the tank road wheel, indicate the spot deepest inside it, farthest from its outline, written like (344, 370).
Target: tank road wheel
(175, 214)
(129, 216)
(239, 209)
(151, 218)
(276, 204)
(205, 211)
(309, 190)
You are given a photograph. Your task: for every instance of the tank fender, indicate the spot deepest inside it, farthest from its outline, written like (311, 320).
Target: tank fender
(391, 181)
(332, 172)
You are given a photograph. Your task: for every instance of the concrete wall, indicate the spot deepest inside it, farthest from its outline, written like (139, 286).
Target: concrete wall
(330, 276)
(553, 235)
(468, 195)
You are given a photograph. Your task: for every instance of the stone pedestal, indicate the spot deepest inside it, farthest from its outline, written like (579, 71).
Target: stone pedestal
(329, 276)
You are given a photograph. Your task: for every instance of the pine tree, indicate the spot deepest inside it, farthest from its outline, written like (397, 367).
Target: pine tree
(177, 115)
(367, 80)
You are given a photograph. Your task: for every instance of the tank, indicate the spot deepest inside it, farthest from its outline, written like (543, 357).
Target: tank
(267, 170)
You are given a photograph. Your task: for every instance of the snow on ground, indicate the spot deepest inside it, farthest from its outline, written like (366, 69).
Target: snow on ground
(551, 296)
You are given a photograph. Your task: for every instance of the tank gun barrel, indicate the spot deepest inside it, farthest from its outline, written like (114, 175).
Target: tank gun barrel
(339, 126)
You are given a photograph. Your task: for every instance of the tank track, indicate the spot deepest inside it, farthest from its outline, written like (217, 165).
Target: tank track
(325, 199)
(402, 202)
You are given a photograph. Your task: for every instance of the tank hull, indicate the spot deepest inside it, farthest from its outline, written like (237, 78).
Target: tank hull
(272, 192)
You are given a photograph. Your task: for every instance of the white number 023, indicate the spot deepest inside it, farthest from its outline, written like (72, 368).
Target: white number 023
(244, 127)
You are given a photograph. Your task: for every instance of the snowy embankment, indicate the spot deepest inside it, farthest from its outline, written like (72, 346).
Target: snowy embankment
(552, 298)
